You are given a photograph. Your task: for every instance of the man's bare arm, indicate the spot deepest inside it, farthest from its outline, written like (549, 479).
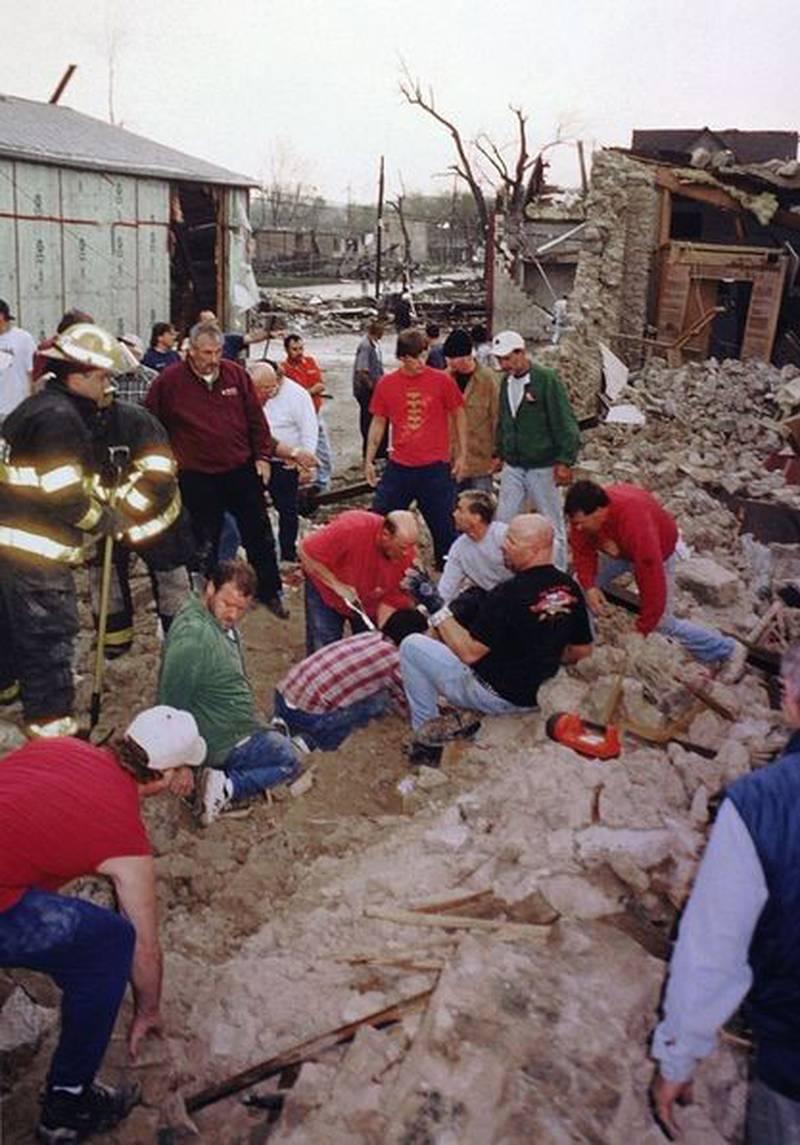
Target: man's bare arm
(135, 885)
(377, 428)
(315, 568)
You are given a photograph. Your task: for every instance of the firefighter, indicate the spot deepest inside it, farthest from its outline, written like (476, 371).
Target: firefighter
(74, 467)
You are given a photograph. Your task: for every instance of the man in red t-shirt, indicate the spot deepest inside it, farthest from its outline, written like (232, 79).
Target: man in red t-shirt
(303, 369)
(420, 404)
(69, 809)
(358, 559)
(622, 528)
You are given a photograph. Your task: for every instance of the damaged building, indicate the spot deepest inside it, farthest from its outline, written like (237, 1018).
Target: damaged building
(684, 258)
(95, 217)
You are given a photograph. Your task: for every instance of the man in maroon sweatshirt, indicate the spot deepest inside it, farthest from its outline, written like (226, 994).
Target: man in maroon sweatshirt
(630, 531)
(222, 443)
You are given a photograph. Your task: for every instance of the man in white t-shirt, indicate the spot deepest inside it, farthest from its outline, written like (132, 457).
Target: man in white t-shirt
(292, 419)
(17, 348)
(475, 562)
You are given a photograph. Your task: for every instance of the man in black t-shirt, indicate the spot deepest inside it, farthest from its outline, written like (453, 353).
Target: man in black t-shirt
(525, 628)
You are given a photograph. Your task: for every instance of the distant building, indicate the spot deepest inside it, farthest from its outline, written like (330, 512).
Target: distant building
(95, 217)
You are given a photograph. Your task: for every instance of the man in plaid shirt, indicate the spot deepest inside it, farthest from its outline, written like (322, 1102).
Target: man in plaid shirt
(344, 685)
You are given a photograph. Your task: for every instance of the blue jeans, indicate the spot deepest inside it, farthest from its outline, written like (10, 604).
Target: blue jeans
(705, 644)
(324, 625)
(230, 539)
(87, 951)
(520, 488)
(429, 670)
(434, 490)
(327, 730)
(264, 760)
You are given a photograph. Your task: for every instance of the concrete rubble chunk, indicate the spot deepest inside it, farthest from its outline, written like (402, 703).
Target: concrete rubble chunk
(708, 581)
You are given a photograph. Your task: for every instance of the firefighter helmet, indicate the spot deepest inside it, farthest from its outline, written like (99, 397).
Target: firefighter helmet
(88, 345)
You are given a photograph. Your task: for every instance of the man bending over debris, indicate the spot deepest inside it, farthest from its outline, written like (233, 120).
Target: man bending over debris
(523, 631)
(67, 809)
(740, 936)
(346, 684)
(353, 568)
(635, 533)
(202, 670)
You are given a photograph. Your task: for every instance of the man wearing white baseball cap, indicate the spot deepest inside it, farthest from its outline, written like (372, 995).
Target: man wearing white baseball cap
(67, 809)
(537, 438)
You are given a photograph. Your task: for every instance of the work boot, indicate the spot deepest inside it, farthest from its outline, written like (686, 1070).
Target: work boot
(276, 606)
(68, 1117)
(452, 725)
(216, 791)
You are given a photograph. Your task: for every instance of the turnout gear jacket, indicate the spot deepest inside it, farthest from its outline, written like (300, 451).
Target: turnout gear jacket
(71, 471)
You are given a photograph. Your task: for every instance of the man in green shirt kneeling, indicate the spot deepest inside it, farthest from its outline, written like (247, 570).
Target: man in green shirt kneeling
(203, 664)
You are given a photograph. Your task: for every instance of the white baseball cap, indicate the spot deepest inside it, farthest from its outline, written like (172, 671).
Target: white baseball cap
(507, 342)
(169, 737)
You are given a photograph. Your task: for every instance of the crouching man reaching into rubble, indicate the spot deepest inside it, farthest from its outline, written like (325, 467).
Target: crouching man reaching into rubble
(625, 529)
(523, 630)
(68, 809)
(740, 937)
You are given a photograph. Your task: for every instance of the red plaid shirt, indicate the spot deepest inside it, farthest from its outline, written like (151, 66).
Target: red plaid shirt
(342, 673)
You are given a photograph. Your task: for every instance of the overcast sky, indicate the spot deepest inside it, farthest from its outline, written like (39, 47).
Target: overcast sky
(310, 87)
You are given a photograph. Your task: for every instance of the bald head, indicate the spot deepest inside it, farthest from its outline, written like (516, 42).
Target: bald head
(400, 531)
(529, 542)
(265, 380)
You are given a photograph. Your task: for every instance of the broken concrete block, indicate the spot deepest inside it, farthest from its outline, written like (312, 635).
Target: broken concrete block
(646, 848)
(22, 1022)
(708, 581)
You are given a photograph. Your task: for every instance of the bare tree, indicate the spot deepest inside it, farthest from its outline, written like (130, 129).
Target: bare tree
(517, 180)
(412, 91)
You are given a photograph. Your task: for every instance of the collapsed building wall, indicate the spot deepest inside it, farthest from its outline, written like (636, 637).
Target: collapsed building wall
(612, 284)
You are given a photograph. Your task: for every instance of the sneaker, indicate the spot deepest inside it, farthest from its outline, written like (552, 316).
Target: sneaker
(215, 795)
(451, 725)
(276, 724)
(300, 745)
(67, 1117)
(277, 608)
(733, 668)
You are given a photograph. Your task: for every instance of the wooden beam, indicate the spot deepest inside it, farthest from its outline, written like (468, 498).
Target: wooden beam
(305, 1051)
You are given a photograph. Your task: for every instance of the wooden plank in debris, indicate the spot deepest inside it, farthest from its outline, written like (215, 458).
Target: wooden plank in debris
(304, 1051)
(458, 922)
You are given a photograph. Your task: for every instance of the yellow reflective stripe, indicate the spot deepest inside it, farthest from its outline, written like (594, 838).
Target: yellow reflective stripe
(155, 463)
(157, 525)
(137, 500)
(90, 517)
(61, 726)
(123, 636)
(38, 545)
(61, 478)
(10, 693)
(26, 476)
(23, 475)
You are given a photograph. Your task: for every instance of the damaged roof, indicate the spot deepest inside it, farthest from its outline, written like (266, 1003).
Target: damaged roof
(747, 146)
(49, 133)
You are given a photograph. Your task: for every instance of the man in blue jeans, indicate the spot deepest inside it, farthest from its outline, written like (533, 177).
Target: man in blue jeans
(202, 671)
(421, 405)
(69, 809)
(344, 685)
(524, 629)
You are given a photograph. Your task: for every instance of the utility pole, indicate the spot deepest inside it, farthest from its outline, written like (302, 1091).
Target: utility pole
(379, 236)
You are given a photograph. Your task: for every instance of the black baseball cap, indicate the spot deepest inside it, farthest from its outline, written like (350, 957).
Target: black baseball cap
(5, 310)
